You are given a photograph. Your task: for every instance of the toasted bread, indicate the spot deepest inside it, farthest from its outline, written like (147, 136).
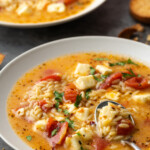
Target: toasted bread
(140, 10)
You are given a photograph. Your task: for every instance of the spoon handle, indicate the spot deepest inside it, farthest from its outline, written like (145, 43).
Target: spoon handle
(133, 145)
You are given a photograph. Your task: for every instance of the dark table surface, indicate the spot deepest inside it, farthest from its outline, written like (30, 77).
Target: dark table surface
(108, 20)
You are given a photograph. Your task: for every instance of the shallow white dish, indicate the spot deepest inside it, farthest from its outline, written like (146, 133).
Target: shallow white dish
(95, 4)
(16, 68)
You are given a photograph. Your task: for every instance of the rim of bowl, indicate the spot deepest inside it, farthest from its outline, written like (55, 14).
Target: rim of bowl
(28, 52)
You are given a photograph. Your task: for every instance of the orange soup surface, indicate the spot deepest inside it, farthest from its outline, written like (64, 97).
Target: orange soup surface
(52, 106)
(38, 11)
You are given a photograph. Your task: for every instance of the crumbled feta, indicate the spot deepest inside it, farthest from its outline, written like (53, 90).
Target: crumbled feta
(112, 95)
(73, 142)
(143, 98)
(86, 132)
(82, 69)
(85, 82)
(70, 107)
(104, 70)
(23, 9)
(41, 4)
(56, 7)
(40, 125)
(82, 114)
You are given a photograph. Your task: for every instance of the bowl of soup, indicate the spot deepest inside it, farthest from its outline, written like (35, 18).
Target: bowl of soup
(39, 13)
(49, 95)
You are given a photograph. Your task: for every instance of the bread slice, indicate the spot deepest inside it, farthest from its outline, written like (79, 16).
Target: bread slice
(140, 10)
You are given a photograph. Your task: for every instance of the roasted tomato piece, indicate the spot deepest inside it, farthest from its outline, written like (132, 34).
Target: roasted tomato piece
(51, 74)
(60, 136)
(52, 77)
(110, 80)
(71, 92)
(125, 130)
(51, 125)
(68, 1)
(99, 143)
(42, 105)
(137, 83)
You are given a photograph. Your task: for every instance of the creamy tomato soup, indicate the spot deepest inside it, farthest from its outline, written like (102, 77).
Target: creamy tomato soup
(52, 106)
(37, 11)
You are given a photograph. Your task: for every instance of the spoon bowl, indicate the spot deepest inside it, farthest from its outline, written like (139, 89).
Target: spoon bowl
(105, 103)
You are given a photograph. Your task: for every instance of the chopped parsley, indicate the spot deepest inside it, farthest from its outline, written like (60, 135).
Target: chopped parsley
(54, 132)
(62, 121)
(58, 96)
(29, 138)
(66, 112)
(100, 59)
(122, 63)
(129, 61)
(83, 148)
(102, 78)
(78, 100)
(128, 75)
(87, 94)
(57, 107)
(70, 122)
(117, 64)
(78, 134)
(92, 71)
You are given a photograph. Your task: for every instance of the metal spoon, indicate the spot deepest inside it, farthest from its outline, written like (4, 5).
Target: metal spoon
(105, 103)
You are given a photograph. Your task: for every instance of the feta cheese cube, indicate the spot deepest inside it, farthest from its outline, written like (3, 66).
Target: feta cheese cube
(112, 95)
(23, 9)
(86, 132)
(70, 107)
(82, 114)
(56, 7)
(104, 70)
(40, 125)
(85, 82)
(74, 142)
(143, 98)
(59, 118)
(82, 69)
(41, 4)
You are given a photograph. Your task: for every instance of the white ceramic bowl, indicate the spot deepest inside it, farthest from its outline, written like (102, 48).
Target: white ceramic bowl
(95, 4)
(16, 68)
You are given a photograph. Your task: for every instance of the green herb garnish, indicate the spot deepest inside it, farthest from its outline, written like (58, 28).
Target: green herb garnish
(61, 121)
(117, 64)
(129, 75)
(70, 122)
(57, 105)
(66, 112)
(29, 138)
(122, 63)
(83, 148)
(100, 59)
(78, 134)
(87, 94)
(129, 61)
(78, 100)
(54, 132)
(58, 96)
(92, 71)
(102, 78)
(96, 78)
